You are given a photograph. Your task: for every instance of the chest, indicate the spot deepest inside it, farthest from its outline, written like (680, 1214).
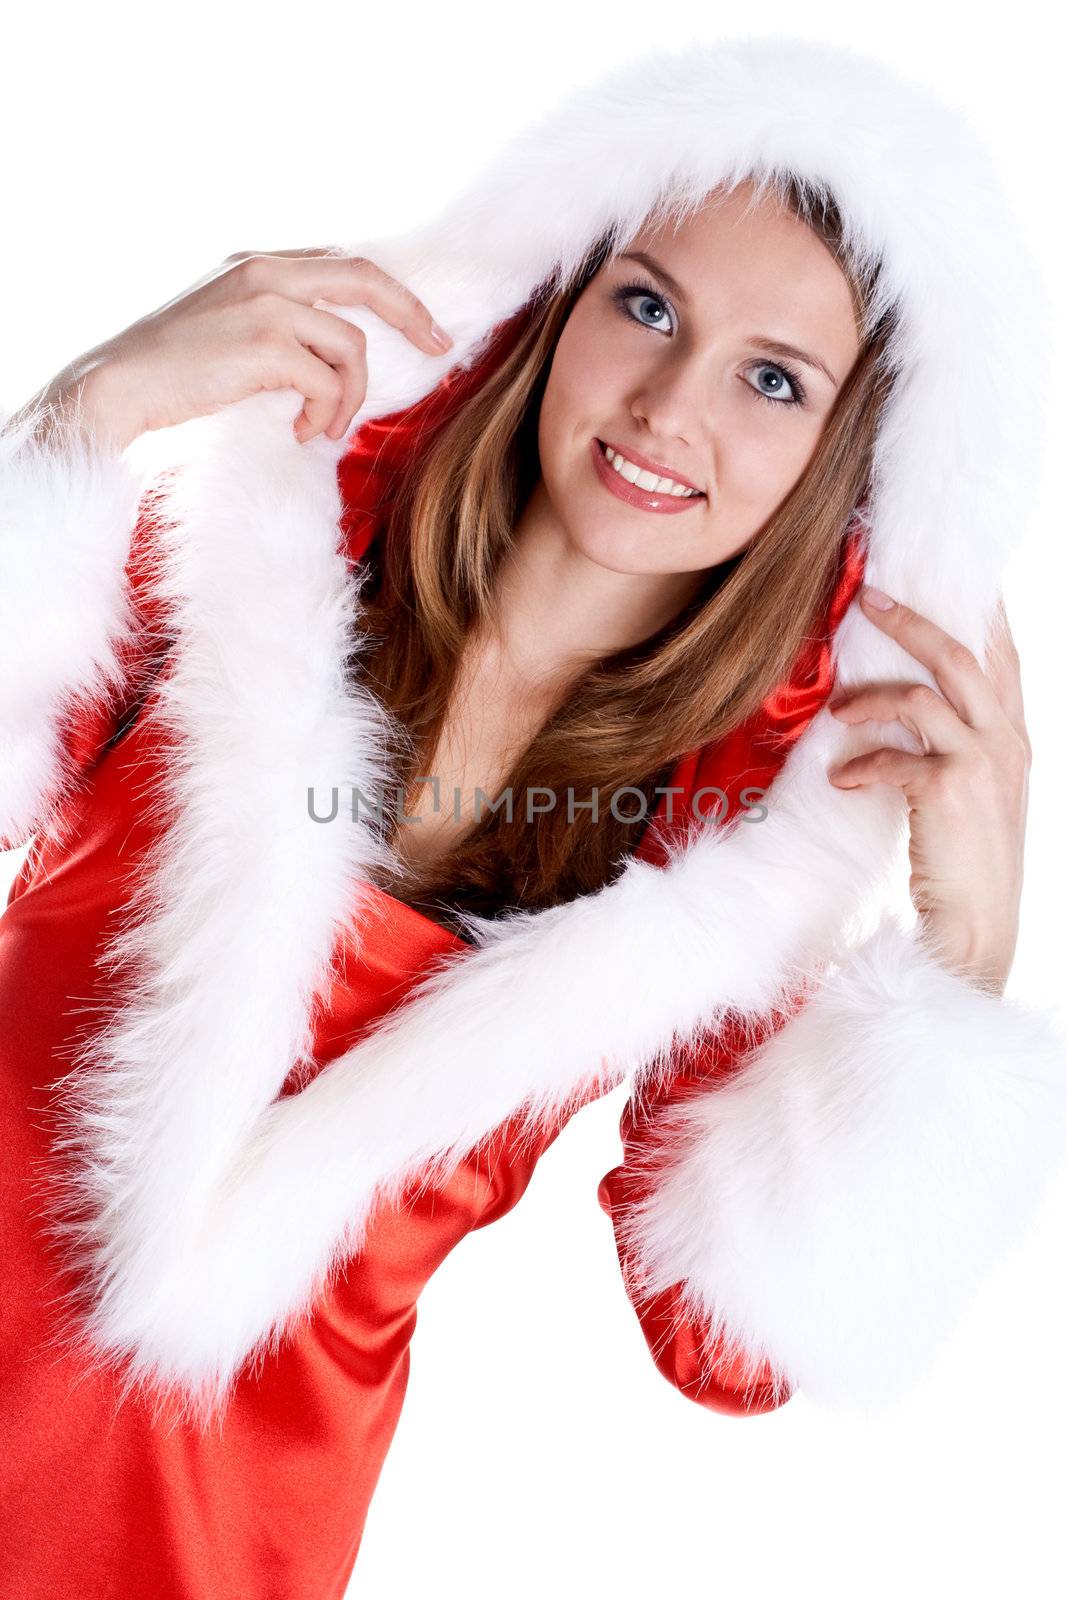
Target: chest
(492, 718)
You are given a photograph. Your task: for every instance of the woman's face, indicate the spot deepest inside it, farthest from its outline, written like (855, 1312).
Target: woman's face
(674, 364)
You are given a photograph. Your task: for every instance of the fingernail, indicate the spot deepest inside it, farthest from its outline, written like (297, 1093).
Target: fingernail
(875, 597)
(439, 336)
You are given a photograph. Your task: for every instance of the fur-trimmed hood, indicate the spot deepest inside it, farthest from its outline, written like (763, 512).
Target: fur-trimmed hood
(216, 1209)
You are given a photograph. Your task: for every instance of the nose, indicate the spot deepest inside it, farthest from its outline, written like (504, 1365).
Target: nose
(675, 419)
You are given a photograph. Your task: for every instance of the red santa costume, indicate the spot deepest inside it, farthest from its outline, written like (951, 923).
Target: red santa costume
(251, 1100)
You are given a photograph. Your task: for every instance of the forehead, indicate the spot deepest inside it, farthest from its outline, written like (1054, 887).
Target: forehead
(741, 257)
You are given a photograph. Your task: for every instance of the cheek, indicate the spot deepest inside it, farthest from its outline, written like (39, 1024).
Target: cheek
(581, 381)
(760, 457)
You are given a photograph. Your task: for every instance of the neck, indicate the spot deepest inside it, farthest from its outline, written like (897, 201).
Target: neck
(558, 611)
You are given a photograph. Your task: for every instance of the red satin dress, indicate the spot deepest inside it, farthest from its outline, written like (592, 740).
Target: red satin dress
(99, 1499)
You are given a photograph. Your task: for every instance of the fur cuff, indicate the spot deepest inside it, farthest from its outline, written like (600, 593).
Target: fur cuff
(68, 508)
(835, 1206)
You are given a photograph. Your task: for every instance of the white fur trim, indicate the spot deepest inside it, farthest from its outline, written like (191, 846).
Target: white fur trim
(235, 928)
(834, 1206)
(68, 509)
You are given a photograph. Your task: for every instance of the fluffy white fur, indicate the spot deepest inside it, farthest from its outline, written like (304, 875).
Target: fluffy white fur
(67, 513)
(215, 1213)
(836, 1203)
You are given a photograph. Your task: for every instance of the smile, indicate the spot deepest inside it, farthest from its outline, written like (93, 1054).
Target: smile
(645, 499)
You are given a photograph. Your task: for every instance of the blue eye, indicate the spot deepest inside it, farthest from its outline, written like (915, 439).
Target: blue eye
(796, 395)
(645, 292)
(634, 291)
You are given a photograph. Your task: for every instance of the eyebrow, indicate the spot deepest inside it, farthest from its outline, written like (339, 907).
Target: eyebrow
(777, 347)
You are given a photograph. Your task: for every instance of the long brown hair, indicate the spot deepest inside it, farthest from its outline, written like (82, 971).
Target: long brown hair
(631, 714)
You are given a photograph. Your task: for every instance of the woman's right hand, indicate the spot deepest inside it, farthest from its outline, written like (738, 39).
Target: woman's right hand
(249, 325)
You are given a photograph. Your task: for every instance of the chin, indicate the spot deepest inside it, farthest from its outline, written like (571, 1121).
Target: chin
(629, 554)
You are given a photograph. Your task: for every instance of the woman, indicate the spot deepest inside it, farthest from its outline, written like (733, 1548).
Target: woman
(325, 1041)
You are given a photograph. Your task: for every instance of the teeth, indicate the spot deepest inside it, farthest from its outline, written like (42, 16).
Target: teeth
(645, 480)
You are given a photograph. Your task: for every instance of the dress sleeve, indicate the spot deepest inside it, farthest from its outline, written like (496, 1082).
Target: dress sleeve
(79, 630)
(706, 1366)
(824, 1210)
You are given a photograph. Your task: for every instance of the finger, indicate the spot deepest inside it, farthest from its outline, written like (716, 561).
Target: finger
(344, 347)
(300, 250)
(321, 385)
(300, 253)
(899, 768)
(346, 281)
(319, 418)
(920, 709)
(957, 670)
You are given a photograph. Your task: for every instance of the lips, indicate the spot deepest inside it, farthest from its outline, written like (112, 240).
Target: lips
(647, 464)
(631, 495)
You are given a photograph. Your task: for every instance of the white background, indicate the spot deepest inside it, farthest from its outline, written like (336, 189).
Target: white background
(539, 1449)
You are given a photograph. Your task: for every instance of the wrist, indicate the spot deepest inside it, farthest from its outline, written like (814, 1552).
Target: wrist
(984, 960)
(89, 398)
(106, 405)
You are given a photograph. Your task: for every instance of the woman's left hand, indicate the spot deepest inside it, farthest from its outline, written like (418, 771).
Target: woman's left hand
(967, 791)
